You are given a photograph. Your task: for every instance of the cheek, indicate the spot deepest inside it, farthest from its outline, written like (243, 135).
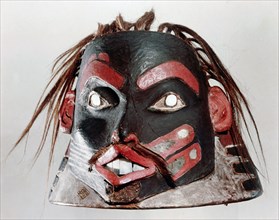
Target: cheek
(179, 148)
(173, 141)
(182, 162)
(98, 128)
(95, 131)
(158, 124)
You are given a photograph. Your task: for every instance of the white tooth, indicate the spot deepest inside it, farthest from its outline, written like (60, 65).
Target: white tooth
(115, 164)
(137, 167)
(110, 165)
(125, 167)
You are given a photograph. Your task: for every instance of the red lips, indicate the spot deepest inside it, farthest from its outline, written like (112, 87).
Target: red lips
(125, 151)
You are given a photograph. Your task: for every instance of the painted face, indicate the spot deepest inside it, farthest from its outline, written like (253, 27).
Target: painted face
(141, 123)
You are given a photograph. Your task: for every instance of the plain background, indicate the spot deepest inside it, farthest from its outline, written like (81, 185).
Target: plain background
(244, 34)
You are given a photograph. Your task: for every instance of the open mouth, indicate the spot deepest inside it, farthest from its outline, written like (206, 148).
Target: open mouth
(120, 165)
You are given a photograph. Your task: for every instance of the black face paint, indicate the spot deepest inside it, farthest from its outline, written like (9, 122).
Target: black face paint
(108, 112)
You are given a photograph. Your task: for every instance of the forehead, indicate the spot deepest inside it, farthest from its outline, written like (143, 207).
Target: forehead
(133, 53)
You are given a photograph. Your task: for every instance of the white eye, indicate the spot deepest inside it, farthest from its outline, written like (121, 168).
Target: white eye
(97, 102)
(170, 102)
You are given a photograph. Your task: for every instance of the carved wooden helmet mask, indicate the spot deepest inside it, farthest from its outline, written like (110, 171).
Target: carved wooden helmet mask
(147, 130)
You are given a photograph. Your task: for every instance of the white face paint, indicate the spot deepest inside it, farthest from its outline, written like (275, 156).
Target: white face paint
(182, 133)
(193, 154)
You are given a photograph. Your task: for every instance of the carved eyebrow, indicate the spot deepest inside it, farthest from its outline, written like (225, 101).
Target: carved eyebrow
(170, 69)
(103, 71)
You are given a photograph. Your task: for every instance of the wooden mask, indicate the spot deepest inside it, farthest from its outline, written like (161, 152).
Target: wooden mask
(147, 130)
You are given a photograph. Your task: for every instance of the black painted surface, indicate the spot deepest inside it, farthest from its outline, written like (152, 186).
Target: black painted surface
(131, 54)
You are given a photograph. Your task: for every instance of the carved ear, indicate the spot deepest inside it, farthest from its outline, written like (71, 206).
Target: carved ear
(66, 112)
(220, 109)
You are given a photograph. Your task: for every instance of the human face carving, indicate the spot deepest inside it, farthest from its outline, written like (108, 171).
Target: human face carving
(141, 123)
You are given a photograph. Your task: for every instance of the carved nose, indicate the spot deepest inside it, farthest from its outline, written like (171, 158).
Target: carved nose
(129, 123)
(127, 131)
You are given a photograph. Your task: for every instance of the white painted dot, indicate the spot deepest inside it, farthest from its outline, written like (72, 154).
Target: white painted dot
(193, 154)
(183, 133)
(95, 100)
(171, 100)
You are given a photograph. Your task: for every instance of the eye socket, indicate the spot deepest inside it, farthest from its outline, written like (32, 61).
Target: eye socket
(170, 102)
(97, 102)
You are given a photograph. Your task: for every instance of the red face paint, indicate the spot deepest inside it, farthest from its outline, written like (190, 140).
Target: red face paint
(102, 70)
(173, 141)
(104, 57)
(166, 146)
(189, 158)
(170, 69)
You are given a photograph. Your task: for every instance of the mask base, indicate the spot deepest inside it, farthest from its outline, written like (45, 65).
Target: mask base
(225, 185)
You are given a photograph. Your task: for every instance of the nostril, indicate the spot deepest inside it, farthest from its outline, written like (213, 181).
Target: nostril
(123, 133)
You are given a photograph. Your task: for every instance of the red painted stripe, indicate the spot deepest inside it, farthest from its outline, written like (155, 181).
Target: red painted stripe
(189, 163)
(104, 57)
(172, 137)
(170, 69)
(103, 71)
